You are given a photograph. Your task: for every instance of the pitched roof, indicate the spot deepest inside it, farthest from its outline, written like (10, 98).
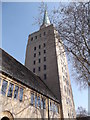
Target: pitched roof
(20, 73)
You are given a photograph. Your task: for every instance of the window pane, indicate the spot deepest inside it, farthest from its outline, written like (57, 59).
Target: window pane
(4, 87)
(32, 98)
(16, 92)
(0, 81)
(35, 100)
(21, 94)
(42, 103)
(38, 101)
(10, 90)
(50, 106)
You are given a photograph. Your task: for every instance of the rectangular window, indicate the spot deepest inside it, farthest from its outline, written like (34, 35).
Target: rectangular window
(0, 81)
(4, 87)
(50, 106)
(39, 46)
(44, 51)
(34, 62)
(35, 100)
(44, 58)
(34, 54)
(39, 69)
(34, 48)
(44, 44)
(32, 98)
(44, 33)
(10, 90)
(35, 37)
(40, 35)
(44, 67)
(45, 76)
(42, 103)
(38, 101)
(34, 70)
(21, 94)
(39, 60)
(31, 38)
(39, 53)
(16, 92)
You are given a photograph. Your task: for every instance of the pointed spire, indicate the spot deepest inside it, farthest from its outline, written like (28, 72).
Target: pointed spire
(46, 20)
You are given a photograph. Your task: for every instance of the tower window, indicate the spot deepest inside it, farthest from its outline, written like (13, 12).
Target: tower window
(35, 37)
(34, 70)
(44, 51)
(44, 33)
(39, 60)
(44, 104)
(4, 87)
(34, 48)
(44, 67)
(34, 54)
(40, 35)
(34, 62)
(31, 38)
(10, 90)
(39, 46)
(39, 53)
(44, 44)
(39, 69)
(45, 76)
(44, 58)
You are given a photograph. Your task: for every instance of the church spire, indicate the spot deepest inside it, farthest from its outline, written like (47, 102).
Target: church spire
(46, 20)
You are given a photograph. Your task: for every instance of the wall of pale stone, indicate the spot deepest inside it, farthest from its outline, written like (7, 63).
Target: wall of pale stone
(13, 108)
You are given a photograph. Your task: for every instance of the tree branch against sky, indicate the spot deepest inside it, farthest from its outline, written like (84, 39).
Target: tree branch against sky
(73, 24)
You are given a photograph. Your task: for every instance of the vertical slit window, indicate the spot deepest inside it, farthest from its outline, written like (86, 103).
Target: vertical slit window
(38, 101)
(21, 94)
(4, 87)
(32, 98)
(10, 90)
(16, 92)
(42, 103)
(35, 100)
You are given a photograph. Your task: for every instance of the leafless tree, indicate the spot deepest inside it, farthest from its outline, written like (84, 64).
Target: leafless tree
(81, 112)
(73, 24)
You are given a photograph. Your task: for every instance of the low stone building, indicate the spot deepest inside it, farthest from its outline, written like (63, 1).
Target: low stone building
(23, 94)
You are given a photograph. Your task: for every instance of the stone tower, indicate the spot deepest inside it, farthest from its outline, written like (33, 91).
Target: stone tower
(45, 57)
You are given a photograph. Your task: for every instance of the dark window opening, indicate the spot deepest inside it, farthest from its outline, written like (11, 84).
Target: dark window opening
(34, 54)
(34, 70)
(10, 90)
(44, 51)
(45, 76)
(39, 53)
(4, 87)
(39, 46)
(5, 118)
(39, 69)
(16, 92)
(34, 48)
(44, 44)
(44, 58)
(44, 67)
(34, 62)
(31, 38)
(35, 37)
(39, 60)
(21, 94)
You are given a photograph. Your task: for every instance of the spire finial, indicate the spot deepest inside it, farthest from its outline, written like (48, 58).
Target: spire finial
(46, 20)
